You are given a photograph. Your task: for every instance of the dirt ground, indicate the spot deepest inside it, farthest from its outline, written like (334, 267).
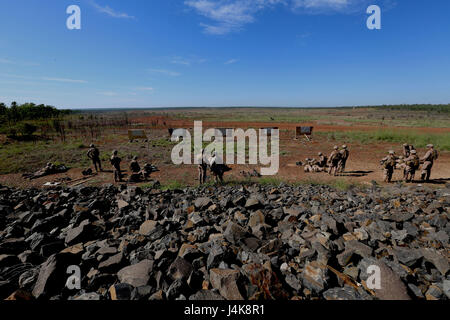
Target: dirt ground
(362, 167)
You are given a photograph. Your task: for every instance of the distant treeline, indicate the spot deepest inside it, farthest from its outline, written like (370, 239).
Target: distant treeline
(28, 111)
(25, 119)
(438, 108)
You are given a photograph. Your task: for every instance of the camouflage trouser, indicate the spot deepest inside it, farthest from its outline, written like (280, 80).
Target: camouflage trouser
(426, 170)
(218, 174)
(403, 167)
(333, 168)
(308, 168)
(202, 173)
(410, 172)
(341, 165)
(317, 168)
(95, 162)
(387, 174)
(117, 174)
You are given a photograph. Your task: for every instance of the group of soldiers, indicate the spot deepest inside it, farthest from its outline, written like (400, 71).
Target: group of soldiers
(334, 164)
(409, 162)
(137, 173)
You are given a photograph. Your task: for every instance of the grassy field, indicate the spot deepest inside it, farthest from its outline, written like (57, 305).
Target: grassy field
(436, 116)
(419, 140)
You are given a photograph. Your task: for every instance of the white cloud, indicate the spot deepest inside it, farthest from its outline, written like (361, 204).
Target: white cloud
(111, 12)
(22, 63)
(231, 61)
(232, 15)
(187, 61)
(229, 15)
(165, 72)
(179, 60)
(108, 93)
(63, 80)
(326, 6)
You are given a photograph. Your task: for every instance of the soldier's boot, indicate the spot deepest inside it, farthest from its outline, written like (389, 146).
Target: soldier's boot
(422, 176)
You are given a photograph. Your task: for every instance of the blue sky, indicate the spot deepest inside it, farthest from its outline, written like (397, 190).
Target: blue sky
(167, 53)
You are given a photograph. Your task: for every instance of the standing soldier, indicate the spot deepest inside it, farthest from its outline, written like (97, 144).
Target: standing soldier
(94, 154)
(344, 156)
(388, 164)
(401, 165)
(428, 161)
(202, 167)
(115, 161)
(412, 164)
(406, 150)
(333, 161)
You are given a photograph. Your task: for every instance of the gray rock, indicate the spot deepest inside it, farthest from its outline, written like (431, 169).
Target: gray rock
(225, 280)
(136, 275)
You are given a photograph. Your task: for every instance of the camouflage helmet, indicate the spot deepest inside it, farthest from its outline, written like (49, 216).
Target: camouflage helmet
(336, 148)
(413, 151)
(401, 157)
(391, 152)
(135, 158)
(49, 164)
(344, 146)
(114, 152)
(319, 154)
(91, 145)
(430, 146)
(405, 144)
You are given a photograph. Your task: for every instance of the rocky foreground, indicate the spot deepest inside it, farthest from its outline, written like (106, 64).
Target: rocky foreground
(230, 242)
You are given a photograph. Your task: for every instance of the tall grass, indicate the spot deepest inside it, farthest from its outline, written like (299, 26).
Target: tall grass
(441, 141)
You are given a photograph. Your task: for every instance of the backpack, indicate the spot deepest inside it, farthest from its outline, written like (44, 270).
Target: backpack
(435, 155)
(414, 163)
(389, 163)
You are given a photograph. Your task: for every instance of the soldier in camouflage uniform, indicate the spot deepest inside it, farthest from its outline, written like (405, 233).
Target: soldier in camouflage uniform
(315, 164)
(412, 164)
(135, 168)
(217, 167)
(202, 167)
(428, 161)
(322, 162)
(308, 167)
(333, 161)
(406, 150)
(344, 156)
(388, 164)
(401, 165)
(134, 165)
(115, 162)
(94, 154)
